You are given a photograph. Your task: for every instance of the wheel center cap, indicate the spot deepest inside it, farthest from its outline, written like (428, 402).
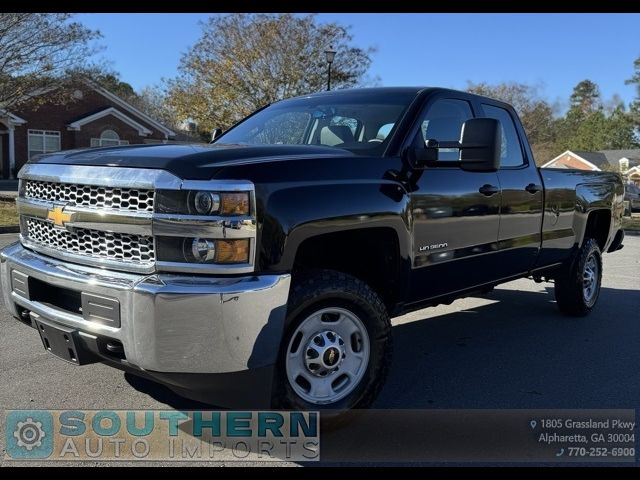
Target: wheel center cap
(324, 353)
(331, 357)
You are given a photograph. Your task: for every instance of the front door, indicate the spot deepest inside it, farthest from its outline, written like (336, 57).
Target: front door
(455, 213)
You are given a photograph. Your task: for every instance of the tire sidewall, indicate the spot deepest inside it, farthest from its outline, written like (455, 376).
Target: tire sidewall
(570, 286)
(591, 249)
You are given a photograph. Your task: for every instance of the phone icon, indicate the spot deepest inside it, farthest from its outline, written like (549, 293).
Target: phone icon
(560, 453)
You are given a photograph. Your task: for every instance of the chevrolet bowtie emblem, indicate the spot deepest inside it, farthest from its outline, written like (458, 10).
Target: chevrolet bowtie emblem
(58, 216)
(332, 357)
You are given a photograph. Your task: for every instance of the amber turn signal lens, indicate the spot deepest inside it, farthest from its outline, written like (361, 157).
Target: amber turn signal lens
(232, 251)
(235, 204)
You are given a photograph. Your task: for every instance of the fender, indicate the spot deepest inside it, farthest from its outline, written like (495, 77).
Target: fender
(596, 196)
(570, 196)
(303, 211)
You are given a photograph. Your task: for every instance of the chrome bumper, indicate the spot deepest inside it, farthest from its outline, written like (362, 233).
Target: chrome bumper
(168, 323)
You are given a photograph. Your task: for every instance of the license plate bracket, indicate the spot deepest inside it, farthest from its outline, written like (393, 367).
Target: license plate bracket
(63, 342)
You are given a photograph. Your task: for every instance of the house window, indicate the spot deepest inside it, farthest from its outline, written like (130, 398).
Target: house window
(43, 141)
(108, 138)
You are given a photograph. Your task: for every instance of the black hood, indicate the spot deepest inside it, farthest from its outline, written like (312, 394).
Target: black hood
(195, 162)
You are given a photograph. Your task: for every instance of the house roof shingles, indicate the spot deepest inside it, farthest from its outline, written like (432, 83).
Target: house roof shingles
(614, 155)
(599, 159)
(603, 158)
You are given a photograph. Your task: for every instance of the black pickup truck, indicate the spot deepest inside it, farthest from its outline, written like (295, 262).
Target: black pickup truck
(262, 270)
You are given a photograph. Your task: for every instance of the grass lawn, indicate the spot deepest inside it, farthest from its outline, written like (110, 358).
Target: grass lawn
(8, 214)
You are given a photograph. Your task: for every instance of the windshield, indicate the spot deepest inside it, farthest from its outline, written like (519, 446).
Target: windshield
(361, 122)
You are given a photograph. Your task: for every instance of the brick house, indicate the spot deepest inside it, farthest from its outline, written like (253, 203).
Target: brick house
(95, 118)
(627, 162)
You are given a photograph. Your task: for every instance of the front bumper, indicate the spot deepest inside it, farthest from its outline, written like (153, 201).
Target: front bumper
(171, 327)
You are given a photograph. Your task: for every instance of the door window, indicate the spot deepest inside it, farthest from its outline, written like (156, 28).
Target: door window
(443, 122)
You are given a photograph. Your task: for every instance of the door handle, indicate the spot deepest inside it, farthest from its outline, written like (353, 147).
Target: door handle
(532, 188)
(488, 190)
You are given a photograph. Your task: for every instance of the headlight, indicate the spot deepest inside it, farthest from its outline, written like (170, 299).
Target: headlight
(232, 251)
(208, 250)
(211, 203)
(206, 202)
(235, 203)
(202, 202)
(203, 250)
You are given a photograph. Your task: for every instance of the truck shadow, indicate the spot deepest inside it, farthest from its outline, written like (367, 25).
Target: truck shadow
(515, 351)
(518, 352)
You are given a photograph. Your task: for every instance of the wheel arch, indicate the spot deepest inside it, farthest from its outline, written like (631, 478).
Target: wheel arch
(378, 256)
(594, 214)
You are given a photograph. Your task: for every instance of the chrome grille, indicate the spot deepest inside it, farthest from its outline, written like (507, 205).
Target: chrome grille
(91, 196)
(113, 246)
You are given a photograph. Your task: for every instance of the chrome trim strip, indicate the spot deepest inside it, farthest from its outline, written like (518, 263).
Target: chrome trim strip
(168, 225)
(108, 176)
(217, 185)
(204, 268)
(118, 221)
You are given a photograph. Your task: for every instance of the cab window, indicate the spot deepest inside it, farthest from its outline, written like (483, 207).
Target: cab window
(511, 150)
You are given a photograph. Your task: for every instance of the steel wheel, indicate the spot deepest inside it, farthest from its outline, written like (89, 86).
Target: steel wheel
(590, 279)
(327, 356)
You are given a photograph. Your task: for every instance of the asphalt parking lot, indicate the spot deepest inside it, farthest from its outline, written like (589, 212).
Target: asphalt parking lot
(509, 349)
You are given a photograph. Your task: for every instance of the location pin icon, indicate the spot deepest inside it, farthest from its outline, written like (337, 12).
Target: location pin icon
(533, 424)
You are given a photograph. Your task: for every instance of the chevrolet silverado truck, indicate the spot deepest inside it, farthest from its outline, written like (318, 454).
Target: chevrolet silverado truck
(262, 270)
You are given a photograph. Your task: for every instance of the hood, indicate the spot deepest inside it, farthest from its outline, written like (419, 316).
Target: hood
(195, 162)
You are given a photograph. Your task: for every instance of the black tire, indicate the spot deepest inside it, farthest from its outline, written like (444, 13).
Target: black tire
(569, 285)
(318, 289)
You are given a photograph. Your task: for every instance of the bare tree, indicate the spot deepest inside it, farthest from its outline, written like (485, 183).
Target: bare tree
(244, 61)
(153, 101)
(536, 114)
(40, 51)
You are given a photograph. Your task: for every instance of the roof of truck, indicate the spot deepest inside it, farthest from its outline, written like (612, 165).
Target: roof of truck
(416, 90)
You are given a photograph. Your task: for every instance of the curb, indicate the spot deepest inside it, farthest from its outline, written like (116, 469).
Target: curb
(9, 229)
(633, 233)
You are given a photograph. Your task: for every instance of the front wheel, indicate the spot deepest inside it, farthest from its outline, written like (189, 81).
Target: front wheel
(577, 288)
(338, 345)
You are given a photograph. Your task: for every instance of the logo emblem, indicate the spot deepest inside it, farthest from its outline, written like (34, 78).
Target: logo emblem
(29, 434)
(331, 357)
(58, 216)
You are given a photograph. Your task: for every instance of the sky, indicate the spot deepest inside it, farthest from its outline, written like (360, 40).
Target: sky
(552, 51)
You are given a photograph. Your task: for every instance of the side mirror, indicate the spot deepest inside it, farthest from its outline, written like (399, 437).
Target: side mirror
(479, 145)
(215, 133)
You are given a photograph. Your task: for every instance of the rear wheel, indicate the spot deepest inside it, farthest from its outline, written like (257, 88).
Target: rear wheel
(577, 288)
(338, 345)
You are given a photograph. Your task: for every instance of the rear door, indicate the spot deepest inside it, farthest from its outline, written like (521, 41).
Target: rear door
(519, 237)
